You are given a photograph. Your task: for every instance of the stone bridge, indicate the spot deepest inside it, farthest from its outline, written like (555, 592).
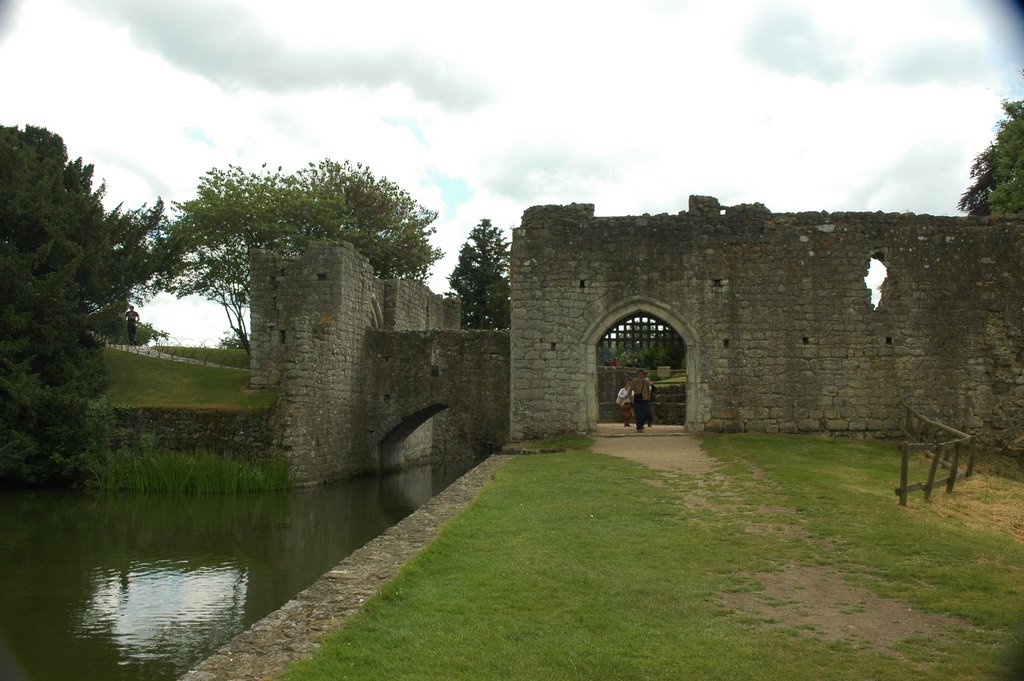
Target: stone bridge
(371, 375)
(781, 334)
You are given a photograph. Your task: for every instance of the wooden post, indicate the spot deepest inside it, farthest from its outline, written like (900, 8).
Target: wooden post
(953, 466)
(931, 473)
(970, 458)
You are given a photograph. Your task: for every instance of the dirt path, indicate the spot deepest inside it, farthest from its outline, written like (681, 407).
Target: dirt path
(668, 448)
(812, 600)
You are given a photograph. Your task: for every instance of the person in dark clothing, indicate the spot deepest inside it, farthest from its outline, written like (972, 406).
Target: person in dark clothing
(641, 399)
(132, 318)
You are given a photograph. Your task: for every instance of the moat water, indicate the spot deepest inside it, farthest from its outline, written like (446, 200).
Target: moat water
(142, 588)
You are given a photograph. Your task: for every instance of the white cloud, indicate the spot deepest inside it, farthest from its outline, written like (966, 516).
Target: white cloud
(482, 110)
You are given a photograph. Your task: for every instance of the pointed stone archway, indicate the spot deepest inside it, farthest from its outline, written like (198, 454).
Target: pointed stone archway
(638, 305)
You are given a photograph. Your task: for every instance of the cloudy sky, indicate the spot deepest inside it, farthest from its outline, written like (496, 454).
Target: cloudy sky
(482, 109)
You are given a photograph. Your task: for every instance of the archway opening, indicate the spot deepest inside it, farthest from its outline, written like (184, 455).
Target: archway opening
(392, 454)
(642, 339)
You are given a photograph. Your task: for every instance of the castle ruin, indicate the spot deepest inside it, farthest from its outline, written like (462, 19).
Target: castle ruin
(781, 335)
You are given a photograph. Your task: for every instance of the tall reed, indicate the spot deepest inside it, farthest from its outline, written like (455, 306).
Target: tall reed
(202, 472)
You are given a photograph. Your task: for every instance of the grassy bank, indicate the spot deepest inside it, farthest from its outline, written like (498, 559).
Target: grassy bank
(139, 381)
(583, 566)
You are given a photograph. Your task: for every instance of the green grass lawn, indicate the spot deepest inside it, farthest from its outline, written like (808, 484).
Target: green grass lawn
(577, 565)
(139, 381)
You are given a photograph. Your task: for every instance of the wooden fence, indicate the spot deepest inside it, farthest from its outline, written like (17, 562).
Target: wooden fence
(933, 439)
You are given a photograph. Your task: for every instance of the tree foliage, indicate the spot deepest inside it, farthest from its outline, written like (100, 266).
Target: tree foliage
(235, 211)
(998, 171)
(65, 263)
(345, 202)
(480, 279)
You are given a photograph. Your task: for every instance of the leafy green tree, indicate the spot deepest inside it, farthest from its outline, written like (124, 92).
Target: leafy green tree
(974, 201)
(64, 263)
(480, 279)
(235, 211)
(998, 172)
(345, 202)
(230, 341)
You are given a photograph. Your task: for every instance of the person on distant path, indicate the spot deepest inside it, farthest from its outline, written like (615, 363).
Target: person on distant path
(625, 402)
(132, 317)
(641, 387)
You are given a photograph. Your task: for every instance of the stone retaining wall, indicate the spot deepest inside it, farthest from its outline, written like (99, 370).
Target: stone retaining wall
(242, 433)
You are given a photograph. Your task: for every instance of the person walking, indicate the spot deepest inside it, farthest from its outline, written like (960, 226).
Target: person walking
(625, 401)
(641, 386)
(132, 318)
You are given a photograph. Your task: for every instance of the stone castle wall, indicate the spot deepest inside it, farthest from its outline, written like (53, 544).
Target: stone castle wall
(310, 321)
(461, 376)
(780, 331)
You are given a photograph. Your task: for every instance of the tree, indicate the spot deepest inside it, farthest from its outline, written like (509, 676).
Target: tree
(235, 211)
(346, 202)
(975, 201)
(998, 172)
(64, 264)
(480, 279)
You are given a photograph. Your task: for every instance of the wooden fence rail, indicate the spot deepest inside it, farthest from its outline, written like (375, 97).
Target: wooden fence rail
(948, 453)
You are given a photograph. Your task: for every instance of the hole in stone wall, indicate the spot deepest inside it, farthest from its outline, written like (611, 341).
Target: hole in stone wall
(874, 278)
(435, 371)
(805, 340)
(280, 335)
(725, 342)
(583, 283)
(322, 276)
(888, 340)
(717, 283)
(552, 346)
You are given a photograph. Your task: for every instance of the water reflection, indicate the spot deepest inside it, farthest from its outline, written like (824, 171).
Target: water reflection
(165, 608)
(142, 588)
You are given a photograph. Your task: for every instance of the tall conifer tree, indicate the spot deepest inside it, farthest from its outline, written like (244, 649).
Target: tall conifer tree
(480, 279)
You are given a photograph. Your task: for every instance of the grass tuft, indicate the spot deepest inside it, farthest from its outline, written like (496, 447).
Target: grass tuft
(199, 473)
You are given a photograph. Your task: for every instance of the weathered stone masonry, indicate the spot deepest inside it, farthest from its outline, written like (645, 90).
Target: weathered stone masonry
(780, 331)
(362, 366)
(781, 335)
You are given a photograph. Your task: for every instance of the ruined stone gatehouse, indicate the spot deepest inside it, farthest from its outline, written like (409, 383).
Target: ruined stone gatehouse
(780, 331)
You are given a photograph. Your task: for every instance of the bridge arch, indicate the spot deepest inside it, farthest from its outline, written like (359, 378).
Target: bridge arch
(643, 305)
(390, 448)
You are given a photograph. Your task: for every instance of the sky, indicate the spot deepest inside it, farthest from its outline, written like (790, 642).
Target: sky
(481, 110)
